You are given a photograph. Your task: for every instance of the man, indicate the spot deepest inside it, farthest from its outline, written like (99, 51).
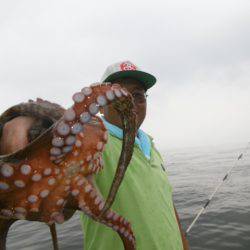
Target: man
(145, 196)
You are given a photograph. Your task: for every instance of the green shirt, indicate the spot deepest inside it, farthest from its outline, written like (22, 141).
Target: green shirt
(144, 199)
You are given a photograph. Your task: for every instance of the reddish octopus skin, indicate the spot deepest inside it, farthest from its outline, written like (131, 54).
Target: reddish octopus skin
(38, 186)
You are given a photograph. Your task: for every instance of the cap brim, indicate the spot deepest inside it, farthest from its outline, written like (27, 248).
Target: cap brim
(146, 79)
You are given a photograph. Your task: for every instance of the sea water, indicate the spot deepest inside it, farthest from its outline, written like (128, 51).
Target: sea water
(193, 173)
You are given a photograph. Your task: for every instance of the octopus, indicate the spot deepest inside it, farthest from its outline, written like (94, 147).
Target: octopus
(52, 176)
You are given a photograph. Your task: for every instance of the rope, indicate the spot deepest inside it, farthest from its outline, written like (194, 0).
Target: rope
(240, 157)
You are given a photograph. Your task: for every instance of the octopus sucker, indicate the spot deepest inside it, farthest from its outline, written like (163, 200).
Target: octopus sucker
(78, 97)
(25, 169)
(7, 170)
(47, 171)
(92, 203)
(87, 91)
(69, 115)
(58, 141)
(52, 176)
(19, 183)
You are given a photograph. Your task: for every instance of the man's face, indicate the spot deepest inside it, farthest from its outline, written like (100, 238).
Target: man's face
(138, 92)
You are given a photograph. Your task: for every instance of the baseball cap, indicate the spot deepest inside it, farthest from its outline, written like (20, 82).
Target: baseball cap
(127, 69)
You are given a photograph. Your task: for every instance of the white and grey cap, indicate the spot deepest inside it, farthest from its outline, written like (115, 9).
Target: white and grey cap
(127, 69)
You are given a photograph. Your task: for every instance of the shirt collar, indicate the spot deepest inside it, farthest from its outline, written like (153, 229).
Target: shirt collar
(142, 139)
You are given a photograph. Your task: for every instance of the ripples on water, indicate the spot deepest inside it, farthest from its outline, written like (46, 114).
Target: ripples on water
(194, 173)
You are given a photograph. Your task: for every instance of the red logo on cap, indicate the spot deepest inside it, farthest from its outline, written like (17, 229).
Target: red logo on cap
(127, 66)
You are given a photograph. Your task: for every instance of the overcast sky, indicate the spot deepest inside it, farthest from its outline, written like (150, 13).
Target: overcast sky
(198, 50)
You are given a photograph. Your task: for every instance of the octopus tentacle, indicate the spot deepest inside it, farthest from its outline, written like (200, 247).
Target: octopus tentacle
(54, 236)
(92, 203)
(86, 106)
(128, 118)
(53, 209)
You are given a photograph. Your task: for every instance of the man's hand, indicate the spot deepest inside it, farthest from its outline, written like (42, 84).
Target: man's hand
(15, 134)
